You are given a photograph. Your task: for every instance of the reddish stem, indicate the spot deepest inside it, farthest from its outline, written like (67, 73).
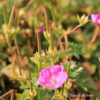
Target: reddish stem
(68, 68)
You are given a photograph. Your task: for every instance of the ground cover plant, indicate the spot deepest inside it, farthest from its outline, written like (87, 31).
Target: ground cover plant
(49, 50)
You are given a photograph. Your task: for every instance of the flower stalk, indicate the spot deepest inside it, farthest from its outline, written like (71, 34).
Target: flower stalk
(46, 19)
(38, 42)
(52, 14)
(4, 13)
(55, 94)
(94, 36)
(30, 79)
(68, 32)
(11, 16)
(51, 46)
(18, 63)
(64, 85)
(16, 20)
(39, 50)
(68, 68)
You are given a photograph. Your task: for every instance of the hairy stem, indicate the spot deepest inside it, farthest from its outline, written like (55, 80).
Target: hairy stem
(68, 68)
(4, 13)
(39, 50)
(51, 46)
(30, 78)
(66, 33)
(11, 16)
(94, 36)
(46, 19)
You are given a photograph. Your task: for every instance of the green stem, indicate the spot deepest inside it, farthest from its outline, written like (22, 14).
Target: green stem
(16, 45)
(38, 42)
(9, 44)
(28, 5)
(51, 39)
(4, 13)
(52, 13)
(46, 19)
(68, 68)
(10, 20)
(31, 86)
(31, 98)
(30, 78)
(11, 16)
(62, 89)
(51, 46)
(68, 32)
(54, 94)
(39, 50)
(13, 65)
(16, 20)
(65, 90)
(94, 35)
(18, 63)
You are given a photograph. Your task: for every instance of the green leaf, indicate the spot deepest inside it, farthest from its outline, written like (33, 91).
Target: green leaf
(43, 94)
(35, 82)
(22, 96)
(33, 59)
(83, 80)
(74, 49)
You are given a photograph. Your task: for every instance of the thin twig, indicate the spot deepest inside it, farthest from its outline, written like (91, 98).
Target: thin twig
(13, 63)
(11, 16)
(52, 13)
(16, 16)
(51, 44)
(46, 19)
(7, 93)
(4, 13)
(12, 95)
(61, 46)
(68, 68)
(29, 3)
(6, 56)
(62, 49)
(66, 33)
(18, 63)
(66, 41)
(70, 31)
(30, 78)
(16, 46)
(94, 36)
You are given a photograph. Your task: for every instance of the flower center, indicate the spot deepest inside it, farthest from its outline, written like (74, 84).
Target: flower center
(54, 80)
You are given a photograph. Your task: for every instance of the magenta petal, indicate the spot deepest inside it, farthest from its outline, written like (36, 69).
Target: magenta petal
(41, 81)
(96, 18)
(53, 76)
(62, 78)
(56, 69)
(45, 72)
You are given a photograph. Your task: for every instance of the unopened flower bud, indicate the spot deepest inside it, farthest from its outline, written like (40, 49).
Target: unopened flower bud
(41, 30)
(83, 20)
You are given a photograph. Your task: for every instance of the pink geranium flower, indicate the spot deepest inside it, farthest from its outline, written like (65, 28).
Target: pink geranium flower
(53, 76)
(96, 18)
